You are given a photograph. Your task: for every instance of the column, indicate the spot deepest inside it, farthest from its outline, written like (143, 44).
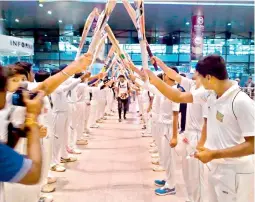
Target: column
(197, 36)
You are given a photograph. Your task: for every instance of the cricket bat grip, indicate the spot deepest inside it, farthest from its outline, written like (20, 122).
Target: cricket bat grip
(151, 55)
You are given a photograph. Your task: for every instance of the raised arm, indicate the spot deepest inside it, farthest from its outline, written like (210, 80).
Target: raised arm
(168, 71)
(50, 84)
(171, 93)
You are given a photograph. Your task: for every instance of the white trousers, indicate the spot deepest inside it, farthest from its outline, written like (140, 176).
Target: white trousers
(231, 182)
(193, 169)
(60, 128)
(93, 112)
(101, 108)
(75, 116)
(140, 104)
(157, 132)
(109, 105)
(169, 156)
(86, 117)
(80, 117)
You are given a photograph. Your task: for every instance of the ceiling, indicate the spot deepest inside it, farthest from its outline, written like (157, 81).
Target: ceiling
(162, 17)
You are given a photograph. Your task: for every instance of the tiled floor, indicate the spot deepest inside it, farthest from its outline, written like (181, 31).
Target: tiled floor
(114, 167)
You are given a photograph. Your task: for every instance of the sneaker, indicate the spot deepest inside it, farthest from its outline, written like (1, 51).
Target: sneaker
(146, 134)
(155, 161)
(68, 160)
(58, 168)
(85, 134)
(144, 127)
(87, 131)
(48, 188)
(153, 150)
(51, 180)
(125, 118)
(94, 126)
(158, 168)
(82, 142)
(163, 191)
(104, 118)
(120, 120)
(153, 144)
(155, 155)
(160, 183)
(46, 199)
(73, 151)
(99, 121)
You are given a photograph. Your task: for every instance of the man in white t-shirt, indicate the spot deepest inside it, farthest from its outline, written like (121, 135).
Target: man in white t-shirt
(123, 92)
(230, 130)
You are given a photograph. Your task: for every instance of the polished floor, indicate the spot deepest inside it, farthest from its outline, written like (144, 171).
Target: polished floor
(114, 167)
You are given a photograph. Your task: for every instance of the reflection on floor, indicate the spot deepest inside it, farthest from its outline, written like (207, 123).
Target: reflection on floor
(114, 167)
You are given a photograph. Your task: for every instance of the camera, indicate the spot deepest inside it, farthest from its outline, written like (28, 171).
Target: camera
(17, 97)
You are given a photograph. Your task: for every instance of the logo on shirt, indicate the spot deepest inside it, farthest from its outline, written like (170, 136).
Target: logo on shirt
(219, 116)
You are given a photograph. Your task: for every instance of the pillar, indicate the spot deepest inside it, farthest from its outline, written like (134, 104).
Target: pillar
(197, 36)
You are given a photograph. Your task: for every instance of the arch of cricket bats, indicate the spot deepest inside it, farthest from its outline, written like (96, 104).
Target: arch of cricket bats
(116, 56)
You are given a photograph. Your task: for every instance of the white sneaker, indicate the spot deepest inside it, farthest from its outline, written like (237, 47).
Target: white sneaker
(153, 144)
(85, 135)
(158, 169)
(46, 199)
(87, 131)
(146, 135)
(156, 155)
(94, 126)
(155, 161)
(82, 142)
(153, 150)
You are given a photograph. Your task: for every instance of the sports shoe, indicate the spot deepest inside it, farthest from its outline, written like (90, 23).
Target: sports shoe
(158, 168)
(144, 134)
(85, 134)
(125, 118)
(46, 199)
(94, 126)
(51, 180)
(163, 191)
(153, 150)
(153, 144)
(104, 118)
(48, 188)
(82, 142)
(68, 160)
(160, 183)
(99, 121)
(155, 155)
(87, 131)
(120, 120)
(144, 127)
(58, 168)
(73, 151)
(155, 161)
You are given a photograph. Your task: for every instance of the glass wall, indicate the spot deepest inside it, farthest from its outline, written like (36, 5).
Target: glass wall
(55, 47)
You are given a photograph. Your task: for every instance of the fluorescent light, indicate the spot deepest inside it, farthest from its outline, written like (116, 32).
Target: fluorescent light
(60, 21)
(49, 12)
(187, 23)
(41, 5)
(45, 34)
(229, 24)
(16, 20)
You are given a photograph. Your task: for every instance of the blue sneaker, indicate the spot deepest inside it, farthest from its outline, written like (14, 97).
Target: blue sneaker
(160, 183)
(165, 191)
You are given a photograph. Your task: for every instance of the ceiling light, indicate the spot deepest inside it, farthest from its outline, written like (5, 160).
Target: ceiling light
(187, 23)
(41, 5)
(45, 34)
(60, 21)
(2, 19)
(16, 20)
(229, 24)
(49, 12)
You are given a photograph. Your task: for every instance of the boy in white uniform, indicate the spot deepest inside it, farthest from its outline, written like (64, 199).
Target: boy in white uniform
(193, 171)
(230, 130)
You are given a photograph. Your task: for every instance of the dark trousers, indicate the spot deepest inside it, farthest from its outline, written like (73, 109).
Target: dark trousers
(122, 104)
(183, 110)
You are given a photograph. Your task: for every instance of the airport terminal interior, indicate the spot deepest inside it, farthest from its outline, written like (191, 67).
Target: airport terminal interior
(145, 100)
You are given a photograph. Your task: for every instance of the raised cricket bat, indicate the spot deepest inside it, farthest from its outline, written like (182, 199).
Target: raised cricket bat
(108, 59)
(132, 15)
(102, 21)
(98, 49)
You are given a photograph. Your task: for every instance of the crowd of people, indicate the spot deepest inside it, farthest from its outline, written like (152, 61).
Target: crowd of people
(56, 111)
